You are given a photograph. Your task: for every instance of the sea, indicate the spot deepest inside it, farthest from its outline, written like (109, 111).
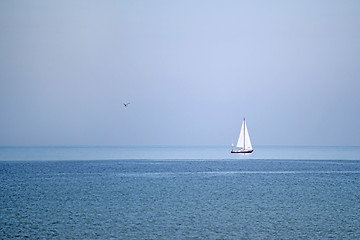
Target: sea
(179, 192)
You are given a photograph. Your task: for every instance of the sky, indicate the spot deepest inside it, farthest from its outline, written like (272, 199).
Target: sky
(191, 70)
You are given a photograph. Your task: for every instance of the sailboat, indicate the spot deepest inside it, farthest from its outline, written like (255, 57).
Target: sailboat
(243, 143)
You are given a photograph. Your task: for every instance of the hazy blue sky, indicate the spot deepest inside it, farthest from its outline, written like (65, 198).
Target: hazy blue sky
(191, 70)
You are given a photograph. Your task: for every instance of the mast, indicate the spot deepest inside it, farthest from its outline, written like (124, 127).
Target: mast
(244, 132)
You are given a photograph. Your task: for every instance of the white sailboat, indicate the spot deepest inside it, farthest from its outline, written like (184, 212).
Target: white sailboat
(243, 143)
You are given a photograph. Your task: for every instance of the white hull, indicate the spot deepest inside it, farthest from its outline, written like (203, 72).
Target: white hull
(242, 151)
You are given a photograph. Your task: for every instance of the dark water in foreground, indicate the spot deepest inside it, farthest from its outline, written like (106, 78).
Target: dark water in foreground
(227, 197)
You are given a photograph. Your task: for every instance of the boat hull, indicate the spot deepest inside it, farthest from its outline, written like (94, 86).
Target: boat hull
(242, 151)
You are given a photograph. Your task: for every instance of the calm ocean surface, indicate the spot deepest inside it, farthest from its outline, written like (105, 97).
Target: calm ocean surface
(179, 193)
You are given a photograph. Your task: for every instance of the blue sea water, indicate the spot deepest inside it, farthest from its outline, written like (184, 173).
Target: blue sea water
(179, 193)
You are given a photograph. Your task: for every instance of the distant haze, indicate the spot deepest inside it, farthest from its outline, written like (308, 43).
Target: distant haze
(191, 71)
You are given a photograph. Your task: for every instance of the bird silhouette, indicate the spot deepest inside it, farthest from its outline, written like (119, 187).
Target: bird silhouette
(126, 104)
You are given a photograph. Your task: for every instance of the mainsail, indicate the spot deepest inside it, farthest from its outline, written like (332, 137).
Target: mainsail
(244, 138)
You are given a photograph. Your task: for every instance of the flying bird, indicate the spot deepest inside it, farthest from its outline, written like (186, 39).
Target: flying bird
(126, 104)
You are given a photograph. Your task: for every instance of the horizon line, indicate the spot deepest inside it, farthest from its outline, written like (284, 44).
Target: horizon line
(169, 145)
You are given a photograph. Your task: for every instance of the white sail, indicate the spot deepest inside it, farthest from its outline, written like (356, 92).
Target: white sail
(247, 139)
(244, 138)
